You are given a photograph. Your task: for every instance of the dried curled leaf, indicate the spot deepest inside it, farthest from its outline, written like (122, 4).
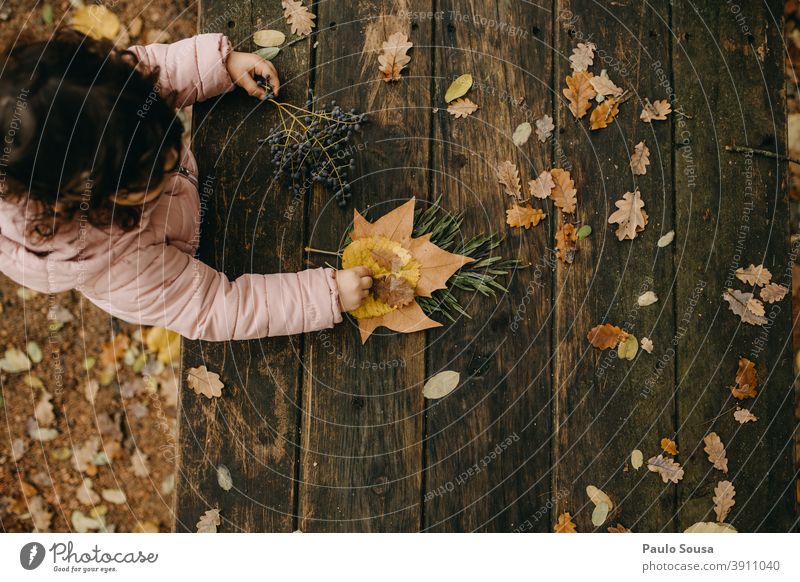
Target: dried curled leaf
(204, 382)
(647, 345)
(508, 176)
(605, 336)
(743, 416)
(579, 92)
(582, 56)
(208, 521)
(604, 114)
(563, 194)
(630, 216)
(299, 17)
(387, 259)
(394, 291)
(640, 159)
(542, 186)
(394, 57)
(669, 446)
(518, 216)
(746, 380)
(604, 86)
(566, 243)
(772, 292)
(716, 451)
(668, 469)
(655, 111)
(739, 302)
(462, 108)
(619, 528)
(724, 494)
(754, 275)
(544, 128)
(43, 412)
(15, 361)
(710, 527)
(564, 524)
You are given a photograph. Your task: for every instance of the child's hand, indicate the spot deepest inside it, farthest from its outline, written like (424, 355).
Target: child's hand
(244, 67)
(354, 285)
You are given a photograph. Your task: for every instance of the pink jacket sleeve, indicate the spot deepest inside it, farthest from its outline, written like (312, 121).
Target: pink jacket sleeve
(190, 70)
(162, 285)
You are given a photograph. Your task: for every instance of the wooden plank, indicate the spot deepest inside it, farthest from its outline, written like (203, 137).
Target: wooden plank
(362, 405)
(488, 445)
(605, 407)
(247, 227)
(731, 212)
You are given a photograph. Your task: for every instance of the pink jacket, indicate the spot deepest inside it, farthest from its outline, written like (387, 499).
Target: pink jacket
(149, 276)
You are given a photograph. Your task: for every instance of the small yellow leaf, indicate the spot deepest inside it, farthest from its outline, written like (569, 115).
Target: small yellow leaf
(441, 384)
(458, 88)
(96, 21)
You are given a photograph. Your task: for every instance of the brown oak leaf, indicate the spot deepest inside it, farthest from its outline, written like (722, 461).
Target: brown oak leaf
(542, 185)
(579, 92)
(655, 111)
(387, 259)
(743, 416)
(604, 114)
(606, 335)
(582, 56)
(462, 108)
(563, 193)
(630, 215)
(204, 382)
(564, 524)
(518, 216)
(393, 290)
(669, 446)
(566, 243)
(668, 469)
(746, 380)
(605, 86)
(394, 58)
(739, 302)
(716, 451)
(772, 292)
(640, 159)
(754, 275)
(619, 528)
(508, 176)
(724, 494)
(299, 17)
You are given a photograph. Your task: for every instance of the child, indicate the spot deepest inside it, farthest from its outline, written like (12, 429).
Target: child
(97, 193)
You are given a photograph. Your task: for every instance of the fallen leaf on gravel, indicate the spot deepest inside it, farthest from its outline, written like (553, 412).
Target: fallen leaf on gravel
(566, 243)
(579, 92)
(754, 275)
(669, 446)
(640, 159)
(508, 176)
(458, 88)
(630, 216)
(15, 361)
(441, 384)
(208, 521)
(724, 494)
(39, 514)
(522, 134)
(299, 17)
(655, 111)
(204, 382)
(738, 302)
(544, 128)
(518, 216)
(605, 336)
(115, 496)
(542, 186)
(394, 56)
(563, 194)
(668, 469)
(96, 21)
(743, 415)
(44, 410)
(772, 292)
(461, 108)
(18, 449)
(564, 524)
(604, 114)
(85, 494)
(140, 464)
(716, 451)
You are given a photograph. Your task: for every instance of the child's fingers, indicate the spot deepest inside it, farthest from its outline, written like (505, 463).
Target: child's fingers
(364, 293)
(366, 282)
(249, 84)
(362, 272)
(268, 71)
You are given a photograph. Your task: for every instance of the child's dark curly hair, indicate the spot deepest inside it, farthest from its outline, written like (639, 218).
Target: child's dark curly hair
(81, 124)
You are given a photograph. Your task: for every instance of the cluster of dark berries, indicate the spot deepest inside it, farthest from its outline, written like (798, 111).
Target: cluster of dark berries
(314, 143)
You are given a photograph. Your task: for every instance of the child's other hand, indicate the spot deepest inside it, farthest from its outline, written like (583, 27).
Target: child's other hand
(354, 285)
(244, 67)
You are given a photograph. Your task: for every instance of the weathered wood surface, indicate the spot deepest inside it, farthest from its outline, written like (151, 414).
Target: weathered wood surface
(321, 433)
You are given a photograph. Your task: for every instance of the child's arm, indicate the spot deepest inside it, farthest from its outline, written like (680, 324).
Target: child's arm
(162, 285)
(201, 67)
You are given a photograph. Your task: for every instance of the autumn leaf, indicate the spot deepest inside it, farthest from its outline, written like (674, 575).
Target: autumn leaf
(709, 527)
(605, 336)
(458, 88)
(754, 275)
(655, 111)
(597, 496)
(619, 528)
(15, 361)
(566, 243)
(96, 21)
(508, 176)
(772, 292)
(394, 57)
(669, 446)
(626, 350)
(630, 215)
(716, 451)
(604, 86)
(387, 259)
(743, 416)
(604, 114)
(667, 468)
(441, 384)
(204, 382)
(746, 380)
(462, 108)
(564, 524)
(43, 412)
(521, 134)
(640, 159)
(563, 193)
(582, 56)
(544, 128)
(165, 342)
(519, 216)
(579, 92)
(647, 345)
(268, 38)
(739, 304)
(114, 350)
(542, 186)
(208, 521)
(724, 493)
(299, 17)
(394, 291)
